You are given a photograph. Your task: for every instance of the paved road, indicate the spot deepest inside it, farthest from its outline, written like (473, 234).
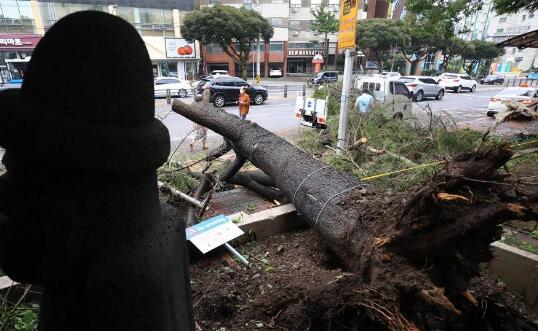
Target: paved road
(277, 113)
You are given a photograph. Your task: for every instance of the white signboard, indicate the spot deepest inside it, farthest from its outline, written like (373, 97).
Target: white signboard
(177, 48)
(212, 233)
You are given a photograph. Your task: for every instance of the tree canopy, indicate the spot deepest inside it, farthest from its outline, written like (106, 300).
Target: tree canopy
(479, 53)
(381, 36)
(324, 21)
(234, 29)
(514, 6)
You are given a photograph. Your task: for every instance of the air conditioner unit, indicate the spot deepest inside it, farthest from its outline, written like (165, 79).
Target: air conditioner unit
(295, 33)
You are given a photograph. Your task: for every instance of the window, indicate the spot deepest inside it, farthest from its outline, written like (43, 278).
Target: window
(499, 30)
(16, 16)
(466, 77)
(502, 20)
(370, 86)
(294, 24)
(300, 45)
(276, 46)
(523, 18)
(427, 80)
(214, 48)
(276, 21)
(531, 15)
(254, 46)
(428, 61)
(399, 88)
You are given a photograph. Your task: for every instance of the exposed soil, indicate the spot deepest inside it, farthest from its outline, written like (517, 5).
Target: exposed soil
(291, 286)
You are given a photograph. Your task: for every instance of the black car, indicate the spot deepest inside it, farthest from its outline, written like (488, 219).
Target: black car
(323, 77)
(492, 80)
(226, 90)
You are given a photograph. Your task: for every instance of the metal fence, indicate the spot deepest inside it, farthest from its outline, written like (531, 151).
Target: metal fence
(520, 82)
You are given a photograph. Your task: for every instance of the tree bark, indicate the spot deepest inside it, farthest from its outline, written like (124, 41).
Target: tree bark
(418, 250)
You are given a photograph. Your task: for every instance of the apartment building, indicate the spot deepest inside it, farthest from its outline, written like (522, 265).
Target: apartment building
(487, 25)
(294, 44)
(23, 23)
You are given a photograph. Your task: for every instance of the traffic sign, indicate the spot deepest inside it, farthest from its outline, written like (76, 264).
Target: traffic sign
(348, 24)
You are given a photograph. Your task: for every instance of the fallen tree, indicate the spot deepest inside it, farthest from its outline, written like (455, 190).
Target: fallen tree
(414, 255)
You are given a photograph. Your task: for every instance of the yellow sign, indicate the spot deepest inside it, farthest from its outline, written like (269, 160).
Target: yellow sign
(257, 80)
(348, 24)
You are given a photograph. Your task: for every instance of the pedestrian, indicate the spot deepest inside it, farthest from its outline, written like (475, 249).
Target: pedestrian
(200, 133)
(244, 103)
(365, 102)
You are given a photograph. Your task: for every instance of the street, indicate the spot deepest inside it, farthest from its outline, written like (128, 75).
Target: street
(277, 113)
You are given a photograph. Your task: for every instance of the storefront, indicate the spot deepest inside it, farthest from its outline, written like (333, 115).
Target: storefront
(15, 46)
(173, 57)
(300, 60)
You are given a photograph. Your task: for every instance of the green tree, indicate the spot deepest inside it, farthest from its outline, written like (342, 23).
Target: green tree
(381, 37)
(513, 6)
(479, 54)
(451, 48)
(431, 24)
(325, 22)
(234, 29)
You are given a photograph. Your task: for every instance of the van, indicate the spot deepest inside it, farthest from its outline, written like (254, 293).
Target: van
(388, 92)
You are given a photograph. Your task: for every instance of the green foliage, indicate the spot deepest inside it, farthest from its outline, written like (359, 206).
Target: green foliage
(20, 318)
(178, 179)
(513, 240)
(405, 138)
(381, 36)
(234, 29)
(479, 52)
(428, 72)
(324, 21)
(514, 6)
(534, 234)
(454, 142)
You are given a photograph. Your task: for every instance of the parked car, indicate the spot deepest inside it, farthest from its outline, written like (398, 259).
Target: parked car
(322, 78)
(390, 74)
(492, 80)
(422, 87)
(457, 82)
(176, 87)
(217, 73)
(275, 72)
(389, 92)
(517, 95)
(225, 89)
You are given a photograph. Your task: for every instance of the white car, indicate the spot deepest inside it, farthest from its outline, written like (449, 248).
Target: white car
(217, 73)
(517, 95)
(164, 85)
(457, 82)
(389, 92)
(275, 72)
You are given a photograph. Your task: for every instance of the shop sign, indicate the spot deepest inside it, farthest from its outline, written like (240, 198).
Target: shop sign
(11, 41)
(348, 24)
(177, 48)
(305, 52)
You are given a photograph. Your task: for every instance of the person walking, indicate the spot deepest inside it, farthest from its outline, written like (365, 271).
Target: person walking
(365, 102)
(244, 103)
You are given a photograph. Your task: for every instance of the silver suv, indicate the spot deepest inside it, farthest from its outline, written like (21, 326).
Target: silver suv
(422, 87)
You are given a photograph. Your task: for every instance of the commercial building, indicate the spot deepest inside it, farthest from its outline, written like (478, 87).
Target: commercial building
(22, 23)
(294, 44)
(487, 25)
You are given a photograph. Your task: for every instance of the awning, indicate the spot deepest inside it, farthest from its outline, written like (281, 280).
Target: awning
(526, 40)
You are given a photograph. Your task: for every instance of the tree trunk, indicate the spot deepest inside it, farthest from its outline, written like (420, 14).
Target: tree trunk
(244, 65)
(412, 253)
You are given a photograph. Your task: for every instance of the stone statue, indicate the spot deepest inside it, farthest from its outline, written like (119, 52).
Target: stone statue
(79, 207)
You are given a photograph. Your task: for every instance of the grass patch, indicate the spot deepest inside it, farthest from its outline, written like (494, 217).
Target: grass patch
(514, 241)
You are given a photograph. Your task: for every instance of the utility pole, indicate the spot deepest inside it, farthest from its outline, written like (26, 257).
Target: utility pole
(258, 9)
(344, 101)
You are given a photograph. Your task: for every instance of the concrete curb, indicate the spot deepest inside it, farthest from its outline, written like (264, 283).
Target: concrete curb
(518, 269)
